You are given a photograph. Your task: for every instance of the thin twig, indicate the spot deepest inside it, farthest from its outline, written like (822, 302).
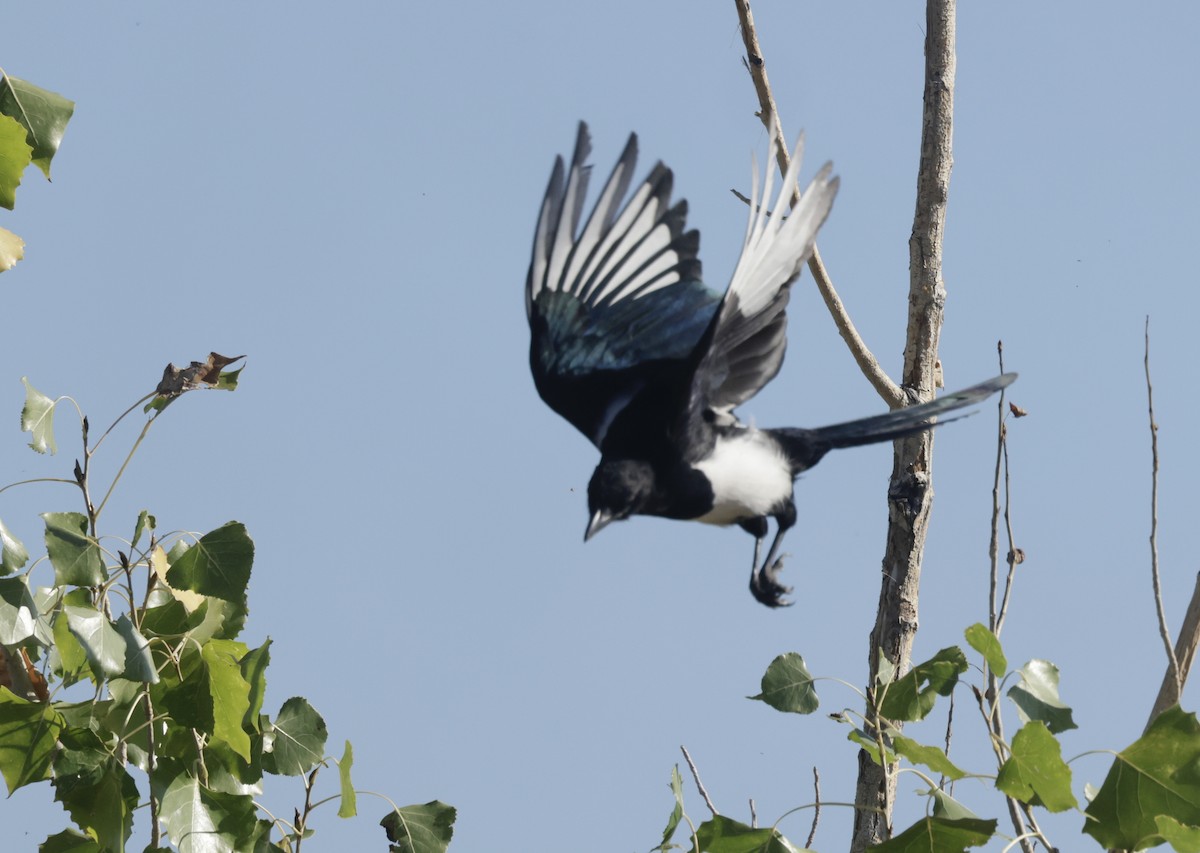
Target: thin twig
(991, 713)
(302, 819)
(812, 833)
(949, 737)
(699, 785)
(769, 115)
(995, 726)
(994, 541)
(1036, 829)
(1164, 632)
(1014, 553)
(120, 418)
(128, 458)
(151, 767)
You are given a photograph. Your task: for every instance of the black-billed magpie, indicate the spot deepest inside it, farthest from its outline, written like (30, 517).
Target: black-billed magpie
(633, 349)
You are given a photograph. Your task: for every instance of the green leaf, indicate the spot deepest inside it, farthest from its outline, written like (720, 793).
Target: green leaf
(185, 691)
(101, 802)
(940, 835)
(42, 114)
(213, 618)
(420, 829)
(724, 835)
(203, 821)
(676, 813)
(911, 697)
(946, 806)
(217, 618)
(76, 557)
(103, 645)
(987, 644)
(88, 714)
(349, 802)
(123, 715)
(18, 612)
(68, 659)
(886, 672)
(229, 773)
(15, 155)
(871, 745)
(298, 743)
(1036, 768)
(145, 522)
(37, 418)
(227, 380)
(80, 750)
(230, 693)
(168, 620)
(1183, 839)
(12, 553)
(931, 756)
(254, 671)
(28, 738)
(69, 841)
(139, 664)
(217, 565)
(12, 249)
(1157, 775)
(1036, 697)
(787, 685)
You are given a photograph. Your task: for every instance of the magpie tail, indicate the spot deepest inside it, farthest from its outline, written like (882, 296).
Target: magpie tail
(805, 447)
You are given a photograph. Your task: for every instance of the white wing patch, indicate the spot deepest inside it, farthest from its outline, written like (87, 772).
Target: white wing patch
(776, 247)
(625, 257)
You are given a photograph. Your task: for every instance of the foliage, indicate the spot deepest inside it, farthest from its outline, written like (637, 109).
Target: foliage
(1150, 797)
(168, 706)
(32, 123)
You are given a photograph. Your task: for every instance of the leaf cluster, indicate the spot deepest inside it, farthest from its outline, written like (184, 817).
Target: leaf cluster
(124, 682)
(1151, 795)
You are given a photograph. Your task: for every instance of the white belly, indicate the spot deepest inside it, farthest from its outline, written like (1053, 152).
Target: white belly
(750, 477)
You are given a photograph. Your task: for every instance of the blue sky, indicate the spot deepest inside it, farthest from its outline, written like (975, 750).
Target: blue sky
(347, 194)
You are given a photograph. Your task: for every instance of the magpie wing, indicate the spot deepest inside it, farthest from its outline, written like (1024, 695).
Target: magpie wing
(617, 304)
(744, 346)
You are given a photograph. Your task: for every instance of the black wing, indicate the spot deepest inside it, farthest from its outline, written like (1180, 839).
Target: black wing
(744, 346)
(614, 304)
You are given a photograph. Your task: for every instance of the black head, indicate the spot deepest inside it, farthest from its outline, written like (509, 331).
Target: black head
(618, 489)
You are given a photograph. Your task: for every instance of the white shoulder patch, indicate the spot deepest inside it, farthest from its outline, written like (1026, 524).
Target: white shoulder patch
(750, 477)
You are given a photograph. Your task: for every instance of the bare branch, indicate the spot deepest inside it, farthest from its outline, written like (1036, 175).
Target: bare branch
(1173, 677)
(910, 492)
(699, 785)
(769, 114)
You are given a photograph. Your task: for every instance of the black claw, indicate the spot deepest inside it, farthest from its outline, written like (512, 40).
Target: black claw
(765, 587)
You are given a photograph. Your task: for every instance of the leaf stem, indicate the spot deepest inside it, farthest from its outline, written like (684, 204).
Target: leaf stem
(128, 457)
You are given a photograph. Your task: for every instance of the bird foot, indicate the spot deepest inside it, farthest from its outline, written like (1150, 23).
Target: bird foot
(766, 588)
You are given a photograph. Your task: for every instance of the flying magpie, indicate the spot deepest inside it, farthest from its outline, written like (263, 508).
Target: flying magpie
(632, 348)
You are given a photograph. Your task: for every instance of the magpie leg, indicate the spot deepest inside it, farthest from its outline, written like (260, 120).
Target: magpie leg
(764, 580)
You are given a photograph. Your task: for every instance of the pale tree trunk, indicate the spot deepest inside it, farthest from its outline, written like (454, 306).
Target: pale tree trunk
(910, 493)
